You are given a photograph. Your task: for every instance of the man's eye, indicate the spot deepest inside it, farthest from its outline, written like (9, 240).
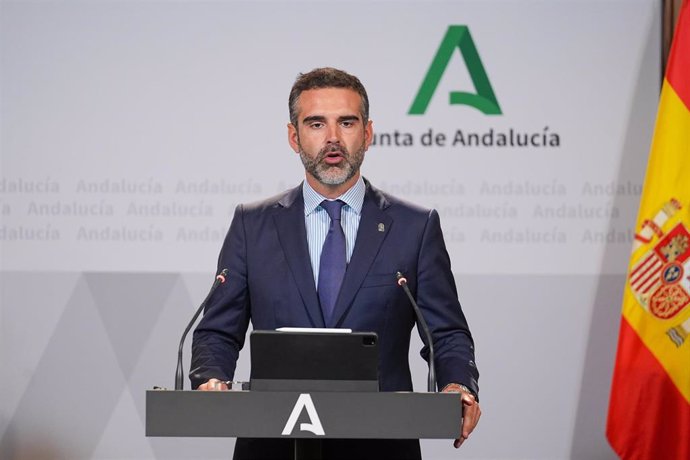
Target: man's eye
(316, 125)
(347, 124)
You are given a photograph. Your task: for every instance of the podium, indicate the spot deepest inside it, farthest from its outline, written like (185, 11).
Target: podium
(303, 415)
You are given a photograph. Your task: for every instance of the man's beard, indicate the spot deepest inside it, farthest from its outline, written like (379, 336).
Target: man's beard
(333, 174)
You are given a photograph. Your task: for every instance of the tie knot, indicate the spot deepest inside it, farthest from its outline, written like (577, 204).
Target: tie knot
(333, 208)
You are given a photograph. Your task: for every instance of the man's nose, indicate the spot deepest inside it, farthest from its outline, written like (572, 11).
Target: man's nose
(333, 134)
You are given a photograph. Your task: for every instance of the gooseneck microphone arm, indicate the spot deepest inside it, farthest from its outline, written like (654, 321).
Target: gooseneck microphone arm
(179, 373)
(431, 381)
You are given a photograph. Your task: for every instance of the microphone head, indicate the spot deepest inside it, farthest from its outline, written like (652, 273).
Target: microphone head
(401, 279)
(222, 275)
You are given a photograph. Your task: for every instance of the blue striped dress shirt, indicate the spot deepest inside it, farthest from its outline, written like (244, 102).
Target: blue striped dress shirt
(317, 221)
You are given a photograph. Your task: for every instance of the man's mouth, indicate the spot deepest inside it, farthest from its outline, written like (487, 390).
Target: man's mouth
(333, 158)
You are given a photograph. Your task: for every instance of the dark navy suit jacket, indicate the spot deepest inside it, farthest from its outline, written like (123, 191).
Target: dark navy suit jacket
(271, 284)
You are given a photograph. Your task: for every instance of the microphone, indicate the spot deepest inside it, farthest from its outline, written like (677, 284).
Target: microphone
(431, 381)
(179, 379)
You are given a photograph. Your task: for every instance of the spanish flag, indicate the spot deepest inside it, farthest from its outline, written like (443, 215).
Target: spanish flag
(649, 409)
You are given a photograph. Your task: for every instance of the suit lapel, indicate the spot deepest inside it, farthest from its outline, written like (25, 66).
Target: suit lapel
(367, 244)
(289, 222)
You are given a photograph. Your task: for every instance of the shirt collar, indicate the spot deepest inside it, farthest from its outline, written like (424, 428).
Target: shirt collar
(354, 197)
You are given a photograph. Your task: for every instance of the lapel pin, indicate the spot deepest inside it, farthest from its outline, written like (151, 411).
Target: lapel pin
(382, 228)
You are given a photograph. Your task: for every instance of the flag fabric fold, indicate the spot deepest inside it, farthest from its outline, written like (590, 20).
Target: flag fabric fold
(649, 407)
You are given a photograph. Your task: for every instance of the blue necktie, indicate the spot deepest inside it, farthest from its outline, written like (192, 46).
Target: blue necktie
(333, 260)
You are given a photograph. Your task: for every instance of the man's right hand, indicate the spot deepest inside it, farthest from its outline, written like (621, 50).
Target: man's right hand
(213, 385)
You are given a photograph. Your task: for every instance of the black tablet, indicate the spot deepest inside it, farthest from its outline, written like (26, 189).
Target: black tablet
(314, 360)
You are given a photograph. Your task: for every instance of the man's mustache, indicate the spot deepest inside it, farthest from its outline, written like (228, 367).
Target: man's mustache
(331, 148)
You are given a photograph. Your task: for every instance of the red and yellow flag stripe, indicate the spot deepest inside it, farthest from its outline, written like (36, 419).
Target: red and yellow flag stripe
(649, 409)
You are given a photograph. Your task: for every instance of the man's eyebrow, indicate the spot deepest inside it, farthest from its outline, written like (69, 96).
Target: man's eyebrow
(320, 118)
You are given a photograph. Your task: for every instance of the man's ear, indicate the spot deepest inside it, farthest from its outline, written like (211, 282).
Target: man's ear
(293, 137)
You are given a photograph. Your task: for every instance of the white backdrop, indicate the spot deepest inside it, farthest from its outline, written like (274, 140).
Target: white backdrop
(130, 131)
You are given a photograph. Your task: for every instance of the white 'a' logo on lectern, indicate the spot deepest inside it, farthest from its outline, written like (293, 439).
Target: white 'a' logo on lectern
(304, 402)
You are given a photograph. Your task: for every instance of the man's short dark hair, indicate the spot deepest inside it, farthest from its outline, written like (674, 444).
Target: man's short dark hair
(326, 77)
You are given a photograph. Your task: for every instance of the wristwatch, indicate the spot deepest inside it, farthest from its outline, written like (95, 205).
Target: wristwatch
(452, 386)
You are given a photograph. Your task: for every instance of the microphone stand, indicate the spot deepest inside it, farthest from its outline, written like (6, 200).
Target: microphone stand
(431, 381)
(179, 373)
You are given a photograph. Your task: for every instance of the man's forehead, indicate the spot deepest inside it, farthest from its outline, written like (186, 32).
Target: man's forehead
(331, 100)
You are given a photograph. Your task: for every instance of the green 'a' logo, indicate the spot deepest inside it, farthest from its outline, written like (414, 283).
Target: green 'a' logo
(483, 100)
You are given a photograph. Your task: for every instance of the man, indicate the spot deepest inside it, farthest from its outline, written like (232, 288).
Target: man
(325, 254)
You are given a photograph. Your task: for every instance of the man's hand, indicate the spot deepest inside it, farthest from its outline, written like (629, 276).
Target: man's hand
(213, 385)
(470, 411)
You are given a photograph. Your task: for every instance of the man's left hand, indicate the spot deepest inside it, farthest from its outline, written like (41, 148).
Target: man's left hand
(470, 411)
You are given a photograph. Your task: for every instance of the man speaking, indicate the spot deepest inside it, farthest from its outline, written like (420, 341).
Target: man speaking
(326, 254)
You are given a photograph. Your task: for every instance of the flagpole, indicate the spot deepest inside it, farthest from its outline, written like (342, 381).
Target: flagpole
(669, 20)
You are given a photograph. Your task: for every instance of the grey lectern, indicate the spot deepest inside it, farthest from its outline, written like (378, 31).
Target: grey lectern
(302, 415)
(327, 382)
